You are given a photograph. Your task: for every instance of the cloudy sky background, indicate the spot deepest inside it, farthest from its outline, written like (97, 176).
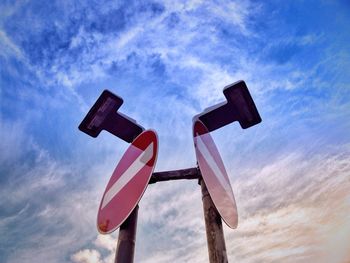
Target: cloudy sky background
(169, 60)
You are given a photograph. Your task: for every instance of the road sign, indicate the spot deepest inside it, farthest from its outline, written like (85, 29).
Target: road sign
(214, 174)
(239, 107)
(103, 115)
(128, 182)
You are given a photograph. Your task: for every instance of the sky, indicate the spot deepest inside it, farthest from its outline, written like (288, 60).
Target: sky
(169, 60)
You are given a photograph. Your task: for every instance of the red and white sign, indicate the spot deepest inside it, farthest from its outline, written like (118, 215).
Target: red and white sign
(128, 182)
(214, 174)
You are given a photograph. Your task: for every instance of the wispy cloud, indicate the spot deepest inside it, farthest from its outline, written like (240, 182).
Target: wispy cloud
(9, 48)
(169, 61)
(292, 210)
(36, 203)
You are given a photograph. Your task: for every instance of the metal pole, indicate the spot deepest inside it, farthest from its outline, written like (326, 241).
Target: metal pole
(213, 226)
(127, 239)
(188, 174)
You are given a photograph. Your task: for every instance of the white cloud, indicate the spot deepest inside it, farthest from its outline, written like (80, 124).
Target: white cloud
(236, 13)
(106, 241)
(87, 256)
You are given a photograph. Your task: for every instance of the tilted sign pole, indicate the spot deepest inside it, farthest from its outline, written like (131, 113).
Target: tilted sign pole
(213, 227)
(217, 194)
(127, 239)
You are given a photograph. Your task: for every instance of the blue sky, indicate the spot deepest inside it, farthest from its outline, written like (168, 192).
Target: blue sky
(169, 61)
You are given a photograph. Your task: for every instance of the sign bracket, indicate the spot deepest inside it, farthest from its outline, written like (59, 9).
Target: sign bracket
(104, 115)
(188, 174)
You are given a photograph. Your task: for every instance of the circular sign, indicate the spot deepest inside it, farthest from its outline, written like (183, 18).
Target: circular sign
(128, 182)
(214, 174)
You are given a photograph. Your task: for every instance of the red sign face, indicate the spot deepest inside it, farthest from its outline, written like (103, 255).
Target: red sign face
(128, 182)
(214, 174)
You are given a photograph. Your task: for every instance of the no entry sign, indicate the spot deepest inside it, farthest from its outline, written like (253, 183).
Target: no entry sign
(128, 182)
(214, 174)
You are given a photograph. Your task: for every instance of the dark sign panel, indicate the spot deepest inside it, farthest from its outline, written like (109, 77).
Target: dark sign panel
(239, 107)
(104, 116)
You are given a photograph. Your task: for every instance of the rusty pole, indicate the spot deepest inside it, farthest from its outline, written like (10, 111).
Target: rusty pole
(213, 226)
(127, 239)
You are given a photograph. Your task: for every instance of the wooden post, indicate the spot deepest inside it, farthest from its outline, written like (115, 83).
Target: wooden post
(213, 226)
(127, 239)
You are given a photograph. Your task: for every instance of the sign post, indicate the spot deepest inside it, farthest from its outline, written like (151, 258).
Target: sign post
(213, 227)
(127, 239)
(119, 204)
(217, 194)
